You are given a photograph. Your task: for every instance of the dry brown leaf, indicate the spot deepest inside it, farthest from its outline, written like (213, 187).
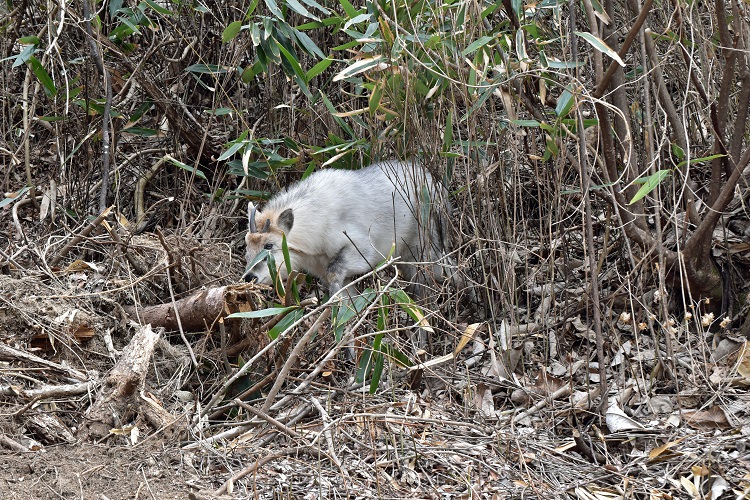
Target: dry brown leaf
(483, 400)
(83, 332)
(618, 421)
(544, 386)
(743, 362)
(713, 418)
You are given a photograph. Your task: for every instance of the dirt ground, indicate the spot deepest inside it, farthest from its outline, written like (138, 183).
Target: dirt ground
(99, 472)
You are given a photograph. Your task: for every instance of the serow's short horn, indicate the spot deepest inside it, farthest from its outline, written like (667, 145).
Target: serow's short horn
(252, 227)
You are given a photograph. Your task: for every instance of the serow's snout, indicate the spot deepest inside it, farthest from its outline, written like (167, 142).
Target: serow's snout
(250, 277)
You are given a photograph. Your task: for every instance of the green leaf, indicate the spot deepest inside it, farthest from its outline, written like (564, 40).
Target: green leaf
(349, 9)
(521, 46)
(251, 9)
(573, 123)
(526, 123)
(140, 131)
(114, 7)
(358, 67)
(285, 251)
(346, 46)
(273, 271)
(251, 72)
(600, 12)
(23, 56)
(298, 72)
(363, 367)
(25, 40)
(11, 199)
(42, 75)
(235, 146)
(253, 169)
(301, 10)
(193, 170)
(318, 68)
(158, 8)
(220, 111)
(377, 370)
(274, 8)
(309, 170)
(375, 96)
(271, 50)
(564, 104)
(285, 323)
(231, 31)
(292, 60)
(316, 5)
(255, 34)
(211, 69)
(140, 110)
(699, 160)
(476, 44)
(554, 64)
(308, 44)
(599, 45)
(349, 309)
(263, 313)
(332, 110)
(396, 355)
(649, 184)
(678, 151)
(407, 304)
(382, 317)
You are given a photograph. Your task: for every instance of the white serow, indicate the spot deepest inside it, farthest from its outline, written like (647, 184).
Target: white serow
(343, 223)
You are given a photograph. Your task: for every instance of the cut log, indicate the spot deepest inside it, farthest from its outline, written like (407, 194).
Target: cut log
(200, 311)
(119, 401)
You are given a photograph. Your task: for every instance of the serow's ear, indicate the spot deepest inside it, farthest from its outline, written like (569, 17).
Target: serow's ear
(286, 220)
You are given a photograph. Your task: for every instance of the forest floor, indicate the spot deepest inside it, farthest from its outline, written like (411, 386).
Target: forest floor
(493, 411)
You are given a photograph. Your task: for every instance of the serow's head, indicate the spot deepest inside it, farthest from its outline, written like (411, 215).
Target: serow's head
(263, 244)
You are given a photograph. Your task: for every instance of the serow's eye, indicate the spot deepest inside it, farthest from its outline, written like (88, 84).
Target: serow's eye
(268, 246)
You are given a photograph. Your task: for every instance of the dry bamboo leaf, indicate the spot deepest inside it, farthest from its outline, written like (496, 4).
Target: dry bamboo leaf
(659, 451)
(597, 494)
(466, 337)
(699, 470)
(80, 266)
(690, 487)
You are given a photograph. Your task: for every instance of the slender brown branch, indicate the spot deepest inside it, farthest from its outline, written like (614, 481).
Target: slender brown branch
(678, 126)
(604, 82)
(292, 360)
(77, 238)
(725, 196)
